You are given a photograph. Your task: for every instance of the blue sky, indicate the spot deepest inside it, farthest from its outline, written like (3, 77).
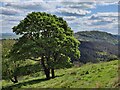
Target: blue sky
(89, 15)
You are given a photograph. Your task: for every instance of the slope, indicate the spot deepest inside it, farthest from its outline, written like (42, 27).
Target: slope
(97, 46)
(95, 51)
(101, 75)
(96, 36)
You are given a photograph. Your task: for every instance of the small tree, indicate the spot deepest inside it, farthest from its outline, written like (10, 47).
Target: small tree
(47, 38)
(8, 67)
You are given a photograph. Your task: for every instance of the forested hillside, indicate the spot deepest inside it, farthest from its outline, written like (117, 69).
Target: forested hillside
(95, 51)
(97, 36)
(97, 46)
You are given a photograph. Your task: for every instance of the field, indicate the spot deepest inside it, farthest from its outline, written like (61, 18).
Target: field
(102, 75)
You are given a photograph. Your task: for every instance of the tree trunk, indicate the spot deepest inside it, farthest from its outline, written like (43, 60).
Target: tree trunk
(47, 73)
(14, 80)
(53, 73)
(46, 70)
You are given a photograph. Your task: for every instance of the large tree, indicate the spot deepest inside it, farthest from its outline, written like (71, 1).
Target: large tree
(46, 38)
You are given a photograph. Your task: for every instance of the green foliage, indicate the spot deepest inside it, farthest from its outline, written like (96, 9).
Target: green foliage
(6, 46)
(45, 35)
(7, 67)
(15, 67)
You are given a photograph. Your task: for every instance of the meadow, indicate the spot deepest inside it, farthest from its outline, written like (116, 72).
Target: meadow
(102, 75)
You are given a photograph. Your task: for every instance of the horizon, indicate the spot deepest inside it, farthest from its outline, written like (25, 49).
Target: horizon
(80, 16)
(74, 32)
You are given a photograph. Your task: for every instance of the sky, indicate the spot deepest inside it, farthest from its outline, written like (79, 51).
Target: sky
(101, 15)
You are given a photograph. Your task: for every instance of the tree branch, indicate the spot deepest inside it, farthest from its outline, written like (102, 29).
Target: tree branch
(34, 59)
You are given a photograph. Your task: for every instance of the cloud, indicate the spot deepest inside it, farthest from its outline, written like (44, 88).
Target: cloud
(9, 0)
(107, 14)
(12, 18)
(9, 11)
(73, 12)
(7, 26)
(79, 5)
(27, 5)
(9, 21)
(102, 18)
(69, 18)
(76, 12)
(109, 2)
(106, 21)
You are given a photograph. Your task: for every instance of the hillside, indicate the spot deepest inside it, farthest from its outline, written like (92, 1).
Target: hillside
(9, 36)
(96, 36)
(94, 51)
(102, 75)
(97, 46)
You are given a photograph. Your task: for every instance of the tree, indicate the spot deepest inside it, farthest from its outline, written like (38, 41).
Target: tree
(8, 71)
(46, 38)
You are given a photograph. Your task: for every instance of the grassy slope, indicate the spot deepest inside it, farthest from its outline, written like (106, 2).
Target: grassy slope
(88, 76)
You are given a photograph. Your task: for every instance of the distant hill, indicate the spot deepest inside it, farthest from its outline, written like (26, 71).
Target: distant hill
(95, 51)
(97, 46)
(8, 36)
(97, 36)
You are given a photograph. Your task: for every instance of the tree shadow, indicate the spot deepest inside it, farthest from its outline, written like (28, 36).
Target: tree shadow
(18, 85)
(60, 75)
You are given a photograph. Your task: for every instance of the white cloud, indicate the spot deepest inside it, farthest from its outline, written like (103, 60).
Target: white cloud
(25, 5)
(9, 11)
(107, 1)
(89, 5)
(79, 5)
(76, 0)
(107, 14)
(21, 1)
(9, 0)
(7, 26)
(69, 18)
(72, 11)
(106, 17)
(12, 18)
(100, 1)
(106, 21)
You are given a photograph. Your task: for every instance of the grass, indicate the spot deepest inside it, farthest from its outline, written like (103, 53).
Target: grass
(102, 75)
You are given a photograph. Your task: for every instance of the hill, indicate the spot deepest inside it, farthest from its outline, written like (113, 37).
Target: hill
(96, 36)
(97, 46)
(9, 36)
(94, 51)
(101, 75)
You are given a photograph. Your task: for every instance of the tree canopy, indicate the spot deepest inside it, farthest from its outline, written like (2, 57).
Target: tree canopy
(46, 38)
